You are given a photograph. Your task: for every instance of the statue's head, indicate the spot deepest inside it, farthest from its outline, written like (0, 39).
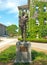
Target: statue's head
(23, 13)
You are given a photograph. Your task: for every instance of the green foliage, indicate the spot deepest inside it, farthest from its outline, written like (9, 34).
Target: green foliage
(20, 39)
(39, 40)
(44, 32)
(41, 30)
(12, 30)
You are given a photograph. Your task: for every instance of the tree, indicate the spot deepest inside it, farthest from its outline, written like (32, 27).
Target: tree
(12, 30)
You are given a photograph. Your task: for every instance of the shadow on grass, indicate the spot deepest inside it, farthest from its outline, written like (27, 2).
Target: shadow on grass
(22, 64)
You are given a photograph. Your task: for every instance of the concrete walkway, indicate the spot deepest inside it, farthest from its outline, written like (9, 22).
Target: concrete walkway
(42, 47)
(7, 42)
(39, 45)
(12, 41)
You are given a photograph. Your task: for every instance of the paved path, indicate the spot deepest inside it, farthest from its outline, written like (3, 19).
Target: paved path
(39, 45)
(42, 47)
(12, 41)
(7, 42)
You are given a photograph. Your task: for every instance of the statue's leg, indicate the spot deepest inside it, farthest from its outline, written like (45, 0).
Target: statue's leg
(25, 32)
(22, 32)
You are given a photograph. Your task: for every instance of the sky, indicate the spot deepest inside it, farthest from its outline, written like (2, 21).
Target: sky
(9, 11)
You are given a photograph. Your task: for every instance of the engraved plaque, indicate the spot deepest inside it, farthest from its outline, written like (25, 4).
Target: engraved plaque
(23, 49)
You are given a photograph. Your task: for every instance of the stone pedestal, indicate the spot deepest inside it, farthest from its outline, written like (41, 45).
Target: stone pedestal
(23, 52)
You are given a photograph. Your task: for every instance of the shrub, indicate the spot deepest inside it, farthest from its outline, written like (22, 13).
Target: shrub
(39, 40)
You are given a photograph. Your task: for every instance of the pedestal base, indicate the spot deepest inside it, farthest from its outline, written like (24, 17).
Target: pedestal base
(22, 61)
(23, 52)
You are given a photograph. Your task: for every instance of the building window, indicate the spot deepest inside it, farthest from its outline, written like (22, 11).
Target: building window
(24, 10)
(45, 21)
(37, 22)
(5, 33)
(45, 8)
(37, 8)
(28, 12)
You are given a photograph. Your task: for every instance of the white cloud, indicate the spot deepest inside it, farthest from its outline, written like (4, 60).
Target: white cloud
(13, 10)
(11, 5)
(9, 23)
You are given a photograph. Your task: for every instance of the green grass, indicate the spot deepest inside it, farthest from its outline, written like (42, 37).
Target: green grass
(38, 55)
(10, 54)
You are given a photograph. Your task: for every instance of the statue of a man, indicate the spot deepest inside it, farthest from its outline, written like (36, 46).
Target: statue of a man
(22, 25)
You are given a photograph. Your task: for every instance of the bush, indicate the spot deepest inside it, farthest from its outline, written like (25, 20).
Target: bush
(39, 40)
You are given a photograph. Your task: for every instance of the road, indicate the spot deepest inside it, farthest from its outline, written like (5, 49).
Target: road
(12, 41)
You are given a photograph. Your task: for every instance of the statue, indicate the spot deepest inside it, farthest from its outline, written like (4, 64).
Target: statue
(22, 25)
(23, 47)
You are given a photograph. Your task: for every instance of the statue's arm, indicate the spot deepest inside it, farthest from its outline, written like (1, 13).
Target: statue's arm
(26, 18)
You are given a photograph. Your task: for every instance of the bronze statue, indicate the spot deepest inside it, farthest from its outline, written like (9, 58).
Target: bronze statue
(22, 25)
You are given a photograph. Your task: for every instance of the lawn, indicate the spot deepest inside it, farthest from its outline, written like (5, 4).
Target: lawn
(9, 55)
